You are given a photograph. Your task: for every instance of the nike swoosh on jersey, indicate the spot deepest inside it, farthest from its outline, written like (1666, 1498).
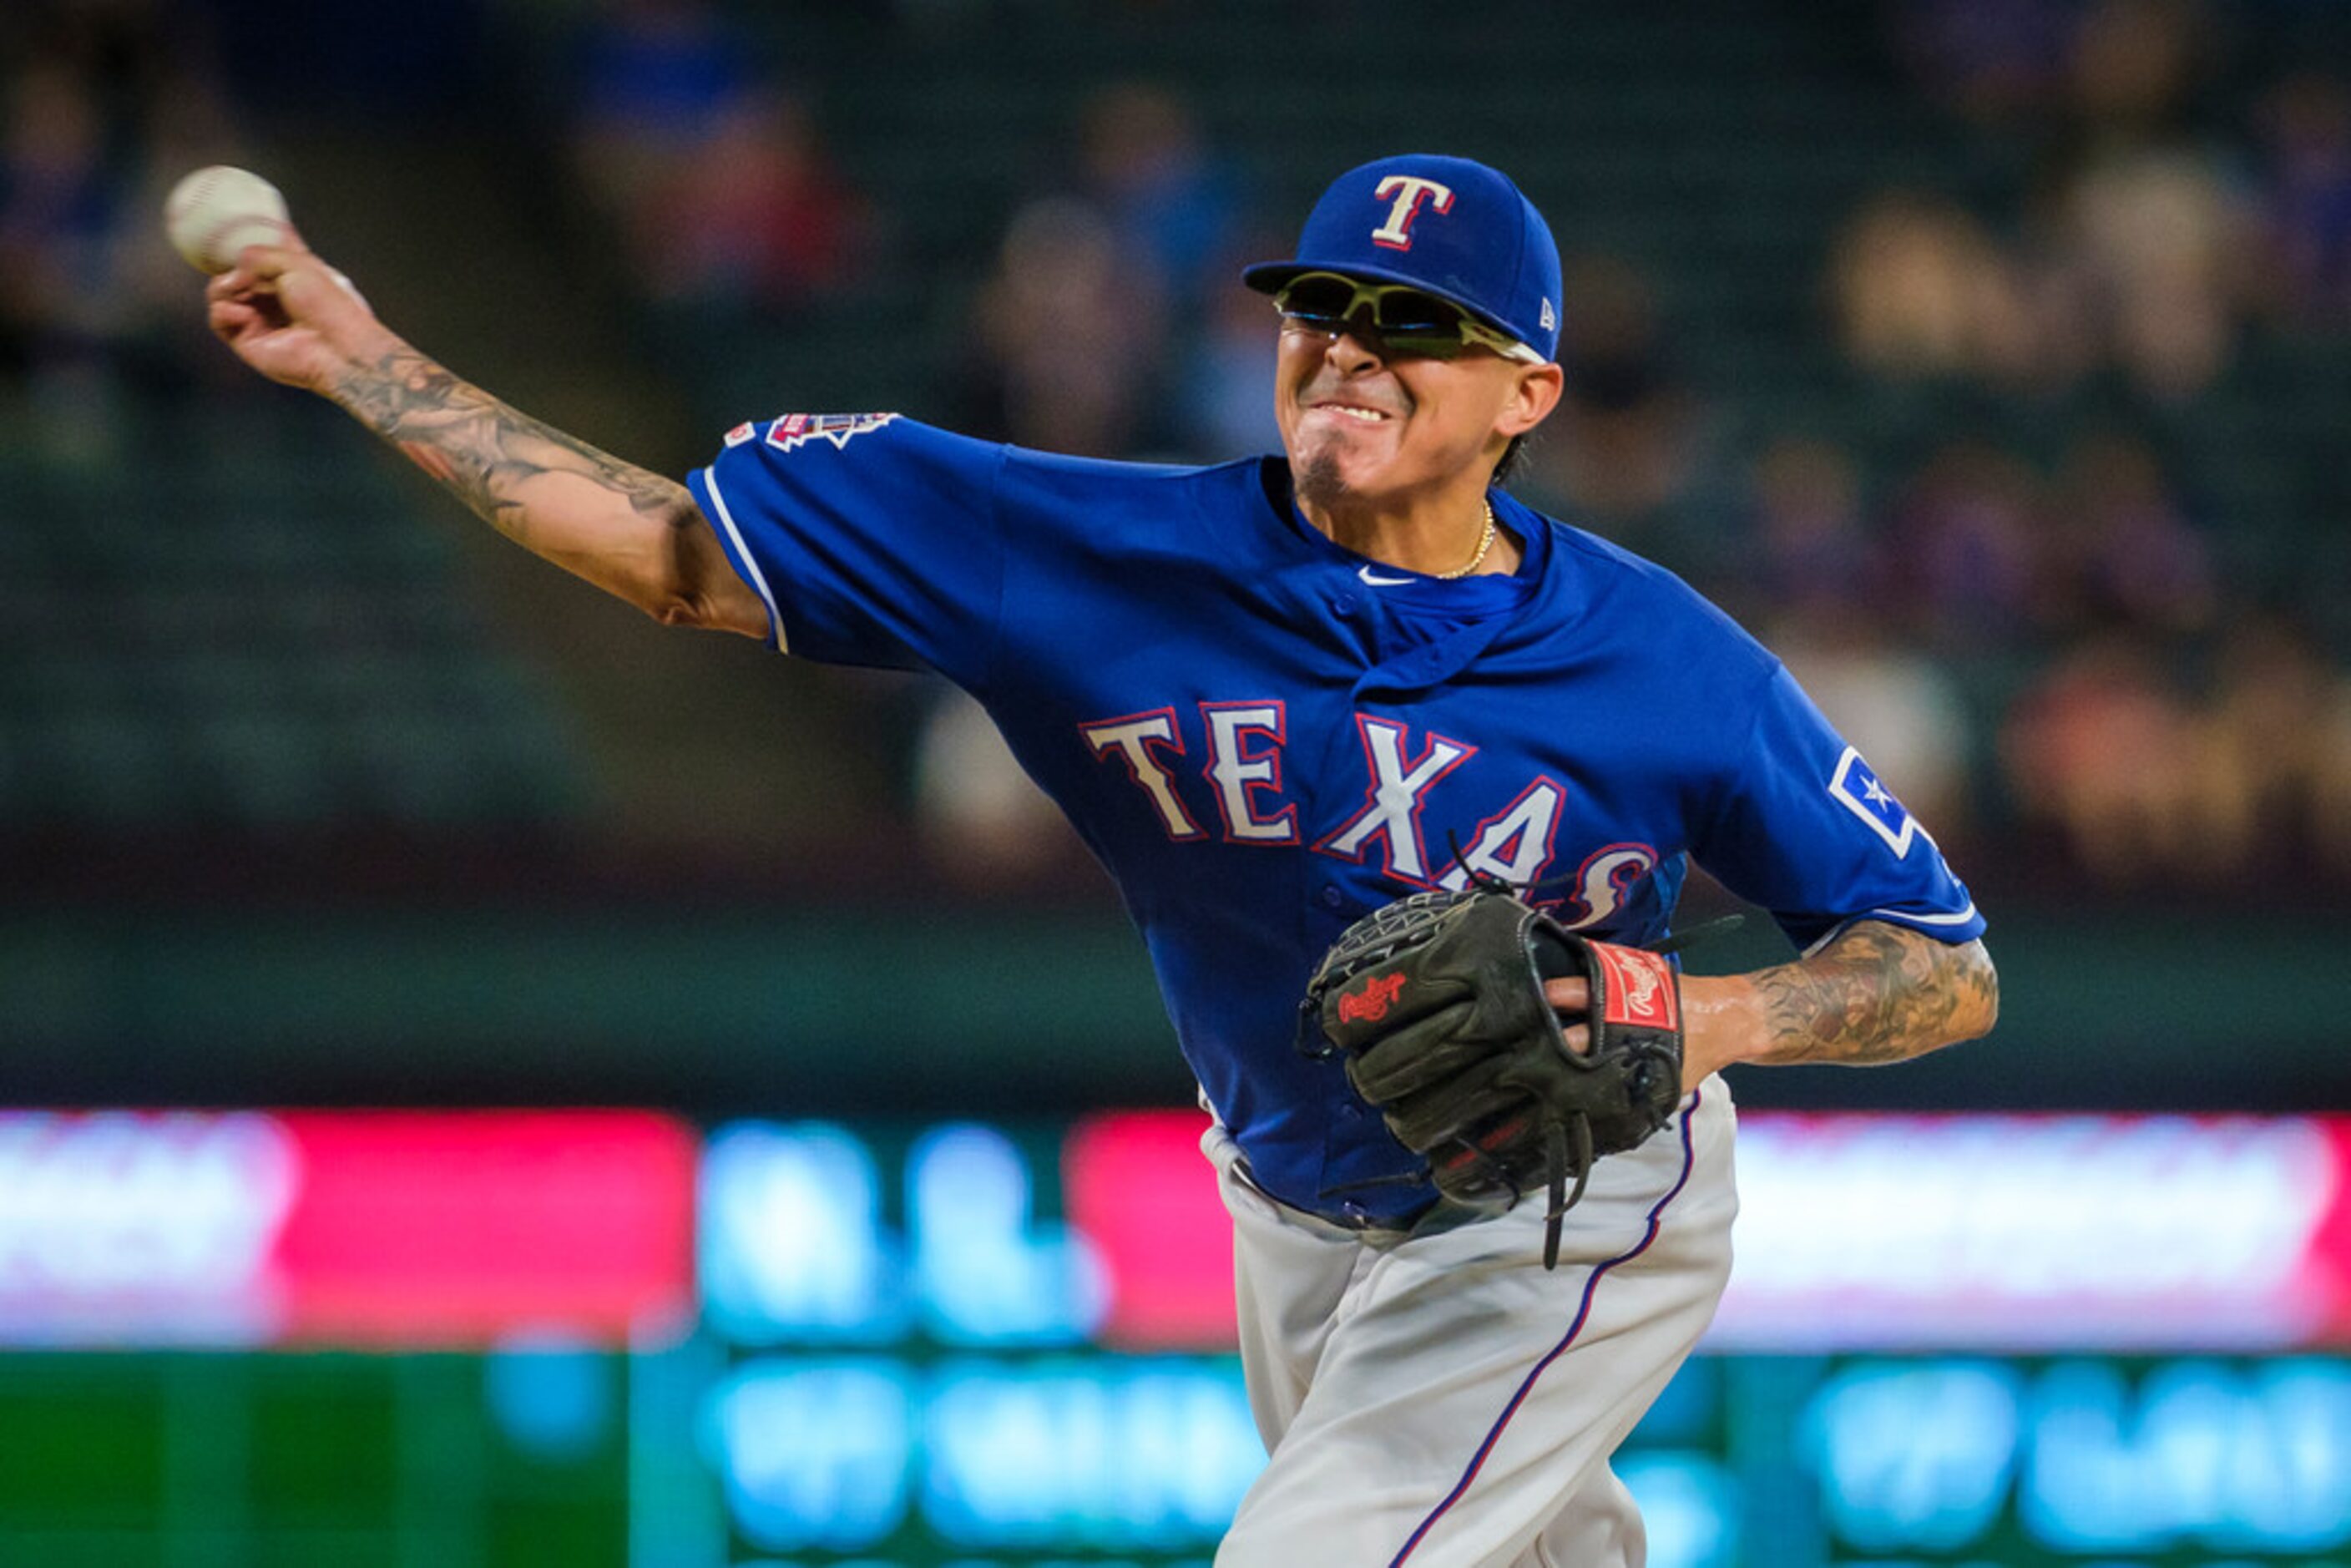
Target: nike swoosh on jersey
(1365, 573)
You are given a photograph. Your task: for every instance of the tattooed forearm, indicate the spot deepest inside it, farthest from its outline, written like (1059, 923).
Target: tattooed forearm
(1878, 993)
(634, 534)
(495, 457)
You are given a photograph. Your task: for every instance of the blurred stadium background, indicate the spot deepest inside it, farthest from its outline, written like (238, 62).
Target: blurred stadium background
(1992, 359)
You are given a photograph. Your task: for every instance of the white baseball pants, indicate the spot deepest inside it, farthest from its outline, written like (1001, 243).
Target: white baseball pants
(1441, 1400)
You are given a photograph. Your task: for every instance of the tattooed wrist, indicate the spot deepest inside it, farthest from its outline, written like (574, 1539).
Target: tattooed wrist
(1878, 993)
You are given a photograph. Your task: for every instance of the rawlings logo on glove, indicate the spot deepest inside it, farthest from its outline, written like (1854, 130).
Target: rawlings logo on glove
(1641, 988)
(1370, 1004)
(1436, 1004)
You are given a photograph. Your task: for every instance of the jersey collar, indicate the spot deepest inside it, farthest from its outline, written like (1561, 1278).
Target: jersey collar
(1465, 595)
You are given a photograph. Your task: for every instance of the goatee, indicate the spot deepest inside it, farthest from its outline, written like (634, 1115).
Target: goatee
(1318, 482)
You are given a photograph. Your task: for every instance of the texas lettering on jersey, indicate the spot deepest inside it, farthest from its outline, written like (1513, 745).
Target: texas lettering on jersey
(1245, 747)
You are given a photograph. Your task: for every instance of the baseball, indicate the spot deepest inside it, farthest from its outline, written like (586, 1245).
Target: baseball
(216, 212)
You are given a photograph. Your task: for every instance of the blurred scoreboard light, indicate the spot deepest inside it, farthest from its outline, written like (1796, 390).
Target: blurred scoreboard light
(988, 1272)
(1929, 1457)
(1914, 1455)
(2038, 1233)
(418, 1230)
(950, 1373)
(837, 1453)
(795, 1249)
(1950, 1341)
(2041, 1247)
(2003, 1233)
(815, 1453)
(1130, 1453)
(358, 1230)
(791, 1245)
(2224, 1457)
(1137, 1185)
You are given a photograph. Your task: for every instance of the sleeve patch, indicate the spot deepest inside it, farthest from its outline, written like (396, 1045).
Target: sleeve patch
(799, 429)
(1858, 790)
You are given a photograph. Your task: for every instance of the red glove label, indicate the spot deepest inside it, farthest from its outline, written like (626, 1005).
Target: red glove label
(1641, 989)
(1371, 1003)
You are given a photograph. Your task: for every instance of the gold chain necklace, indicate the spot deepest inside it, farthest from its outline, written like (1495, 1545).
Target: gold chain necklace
(1485, 543)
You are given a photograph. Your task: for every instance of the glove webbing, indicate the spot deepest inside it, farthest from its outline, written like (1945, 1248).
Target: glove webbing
(1556, 1133)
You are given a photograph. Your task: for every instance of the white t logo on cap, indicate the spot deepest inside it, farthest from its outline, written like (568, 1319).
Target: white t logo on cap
(1410, 192)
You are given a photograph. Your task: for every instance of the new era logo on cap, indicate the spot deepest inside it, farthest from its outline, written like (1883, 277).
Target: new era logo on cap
(1450, 225)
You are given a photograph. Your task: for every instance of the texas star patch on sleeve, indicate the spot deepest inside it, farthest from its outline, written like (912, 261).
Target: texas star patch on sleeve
(1856, 788)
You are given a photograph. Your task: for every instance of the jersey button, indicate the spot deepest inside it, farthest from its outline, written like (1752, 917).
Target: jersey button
(1332, 898)
(1344, 604)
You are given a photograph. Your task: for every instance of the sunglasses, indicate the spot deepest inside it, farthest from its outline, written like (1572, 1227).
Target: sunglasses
(1408, 321)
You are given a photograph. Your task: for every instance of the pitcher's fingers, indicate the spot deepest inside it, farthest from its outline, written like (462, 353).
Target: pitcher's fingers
(268, 262)
(235, 283)
(230, 318)
(1569, 996)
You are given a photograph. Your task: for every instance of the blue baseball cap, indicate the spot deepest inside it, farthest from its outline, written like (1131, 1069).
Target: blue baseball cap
(1451, 226)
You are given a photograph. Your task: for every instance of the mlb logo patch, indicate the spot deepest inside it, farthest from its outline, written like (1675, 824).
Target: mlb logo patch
(799, 429)
(1858, 790)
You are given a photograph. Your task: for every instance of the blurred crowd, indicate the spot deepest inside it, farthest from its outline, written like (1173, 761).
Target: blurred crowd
(2162, 224)
(2001, 562)
(103, 103)
(2177, 714)
(709, 172)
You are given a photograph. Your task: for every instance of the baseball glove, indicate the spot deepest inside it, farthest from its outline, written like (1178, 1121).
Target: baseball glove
(1435, 1005)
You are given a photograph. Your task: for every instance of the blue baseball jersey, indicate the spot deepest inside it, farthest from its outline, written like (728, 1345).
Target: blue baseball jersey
(1264, 737)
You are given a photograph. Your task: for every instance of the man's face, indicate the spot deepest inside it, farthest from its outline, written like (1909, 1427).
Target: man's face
(1365, 426)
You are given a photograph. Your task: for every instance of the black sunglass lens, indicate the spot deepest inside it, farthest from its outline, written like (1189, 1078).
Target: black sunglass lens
(1418, 316)
(1318, 298)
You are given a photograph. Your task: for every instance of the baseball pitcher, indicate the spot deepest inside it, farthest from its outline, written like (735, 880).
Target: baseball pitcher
(1400, 782)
